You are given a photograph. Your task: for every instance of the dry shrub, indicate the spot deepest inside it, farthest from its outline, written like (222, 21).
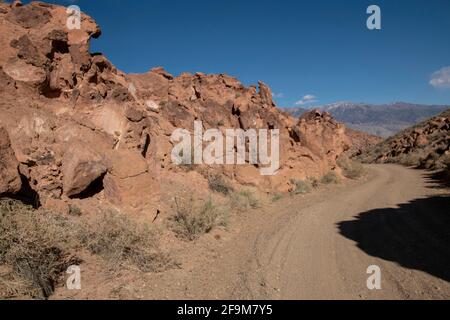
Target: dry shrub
(443, 163)
(124, 242)
(443, 167)
(193, 220)
(301, 186)
(446, 161)
(244, 200)
(412, 159)
(277, 197)
(218, 184)
(74, 210)
(37, 248)
(351, 169)
(330, 177)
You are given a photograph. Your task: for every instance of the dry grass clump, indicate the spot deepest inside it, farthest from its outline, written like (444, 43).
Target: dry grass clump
(308, 185)
(193, 220)
(244, 200)
(351, 169)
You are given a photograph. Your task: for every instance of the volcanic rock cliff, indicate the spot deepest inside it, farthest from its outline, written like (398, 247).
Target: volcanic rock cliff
(81, 129)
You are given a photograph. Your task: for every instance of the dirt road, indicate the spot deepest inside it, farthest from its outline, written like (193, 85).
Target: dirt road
(397, 219)
(319, 246)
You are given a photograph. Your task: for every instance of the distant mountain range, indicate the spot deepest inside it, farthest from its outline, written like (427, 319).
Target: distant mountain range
(380, 120)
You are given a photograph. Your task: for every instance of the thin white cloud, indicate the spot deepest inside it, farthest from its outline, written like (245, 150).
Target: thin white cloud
(307, 99)
(441, 78)
(278, 95)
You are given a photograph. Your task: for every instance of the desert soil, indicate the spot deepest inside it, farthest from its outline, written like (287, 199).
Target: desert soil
(316, 246)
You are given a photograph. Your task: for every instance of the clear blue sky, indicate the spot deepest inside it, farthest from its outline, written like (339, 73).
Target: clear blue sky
(299, 48)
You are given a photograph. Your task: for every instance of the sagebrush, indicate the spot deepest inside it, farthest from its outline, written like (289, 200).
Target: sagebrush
(36, 247)
(244, 200)
(329, 178)
(193, 219)
(218, 184)
(123, 241)
(351, 169)
(301, 186)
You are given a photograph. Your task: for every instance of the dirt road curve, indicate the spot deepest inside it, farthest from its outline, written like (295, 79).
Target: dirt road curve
(398, 220)
(320, 246)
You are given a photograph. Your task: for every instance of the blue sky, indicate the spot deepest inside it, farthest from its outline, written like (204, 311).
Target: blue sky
(310, 52)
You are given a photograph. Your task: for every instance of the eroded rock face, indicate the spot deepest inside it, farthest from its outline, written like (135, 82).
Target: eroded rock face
(74, 118)
(29, 17)
(320, 133)
(10, 182)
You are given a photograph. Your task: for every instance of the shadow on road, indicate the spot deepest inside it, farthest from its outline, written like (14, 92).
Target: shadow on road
(438, 180)
(416, 235)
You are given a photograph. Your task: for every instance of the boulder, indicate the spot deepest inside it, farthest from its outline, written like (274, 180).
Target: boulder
(81, 166)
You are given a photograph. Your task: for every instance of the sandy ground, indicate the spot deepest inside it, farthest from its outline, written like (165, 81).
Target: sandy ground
(316, 246)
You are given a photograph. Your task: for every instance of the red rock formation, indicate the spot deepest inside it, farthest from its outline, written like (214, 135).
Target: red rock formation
(74, 118)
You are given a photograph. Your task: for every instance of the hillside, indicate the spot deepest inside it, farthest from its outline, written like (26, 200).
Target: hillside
(425, 145)
(379, 120)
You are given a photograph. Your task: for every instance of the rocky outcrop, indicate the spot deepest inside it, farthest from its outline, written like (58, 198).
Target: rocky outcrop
(320, 133)
(360, 142)
(426, 145)
(10, 182)
(81, 128)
